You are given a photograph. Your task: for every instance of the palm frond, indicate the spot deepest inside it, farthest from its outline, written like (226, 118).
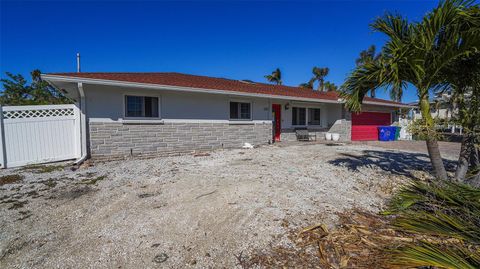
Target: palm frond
(444, 209)
(362, 79)
(275, 77)
(428, 254)
(309, 84)
(445, 216)
(417, 53)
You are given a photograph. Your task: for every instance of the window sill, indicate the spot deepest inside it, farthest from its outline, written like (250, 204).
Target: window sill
(241, 122)
(143, 121)
(309, 125)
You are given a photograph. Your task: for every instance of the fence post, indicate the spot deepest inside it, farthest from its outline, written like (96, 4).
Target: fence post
(78, 131)
(3, 155)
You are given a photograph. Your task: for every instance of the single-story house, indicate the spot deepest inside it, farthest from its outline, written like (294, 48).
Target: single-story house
(151, 113)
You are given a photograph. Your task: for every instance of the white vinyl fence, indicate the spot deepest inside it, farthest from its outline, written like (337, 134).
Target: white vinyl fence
(404, 132)
(38, 134)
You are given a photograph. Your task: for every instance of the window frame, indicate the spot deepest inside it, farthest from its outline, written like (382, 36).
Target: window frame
(320, 116)
(306, 116)
(239, 109)
(307, 107)
(141, 95)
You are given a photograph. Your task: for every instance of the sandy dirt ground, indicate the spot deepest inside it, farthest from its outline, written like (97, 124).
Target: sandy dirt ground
(189, 211)
(447, 149)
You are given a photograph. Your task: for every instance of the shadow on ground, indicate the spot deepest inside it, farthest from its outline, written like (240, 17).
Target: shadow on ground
(399, 163)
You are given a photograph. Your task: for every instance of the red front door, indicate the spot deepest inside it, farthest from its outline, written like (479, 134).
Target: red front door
(277, 114)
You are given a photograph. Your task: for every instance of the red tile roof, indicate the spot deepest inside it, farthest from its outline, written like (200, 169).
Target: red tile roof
(203, 82)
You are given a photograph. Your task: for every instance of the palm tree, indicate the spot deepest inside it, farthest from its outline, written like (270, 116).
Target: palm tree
(319, 74)
(275, 77)
(368, 56)
(417, 53)
(464, 99)
(330, 86)
(309, 84)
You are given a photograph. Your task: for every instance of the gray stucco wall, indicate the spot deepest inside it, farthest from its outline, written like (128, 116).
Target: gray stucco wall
(109, 140)
(107, 103)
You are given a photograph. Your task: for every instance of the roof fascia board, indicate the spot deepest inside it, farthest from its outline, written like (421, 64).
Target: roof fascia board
(51, 78)
(386, 104)
(177, 88)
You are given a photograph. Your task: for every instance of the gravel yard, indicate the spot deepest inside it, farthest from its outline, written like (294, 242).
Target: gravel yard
(188, 211)
(447, 149)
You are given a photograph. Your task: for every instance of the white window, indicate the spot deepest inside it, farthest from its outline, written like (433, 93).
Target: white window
(314, 116)
(141, 106)
(240, 111)
(299, 116)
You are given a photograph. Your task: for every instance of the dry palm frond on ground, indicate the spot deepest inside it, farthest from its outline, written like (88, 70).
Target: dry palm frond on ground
(427, 224)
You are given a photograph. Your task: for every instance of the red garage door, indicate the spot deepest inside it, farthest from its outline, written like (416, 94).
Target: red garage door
(364, 125)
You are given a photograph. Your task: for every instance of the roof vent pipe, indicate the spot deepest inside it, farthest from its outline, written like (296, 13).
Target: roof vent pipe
(78, 62)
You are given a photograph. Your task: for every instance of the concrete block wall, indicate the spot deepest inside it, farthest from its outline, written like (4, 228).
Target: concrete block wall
(344, 128)
(120, 140)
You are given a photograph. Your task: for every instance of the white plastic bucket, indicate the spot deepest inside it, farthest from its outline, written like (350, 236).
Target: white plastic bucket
(328, 136)
(335, 136)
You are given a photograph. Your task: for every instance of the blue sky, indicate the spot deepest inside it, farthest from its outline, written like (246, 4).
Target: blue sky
(238, 40)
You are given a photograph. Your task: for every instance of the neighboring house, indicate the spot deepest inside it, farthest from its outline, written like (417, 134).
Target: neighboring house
(440, 109)
(150, 113)
(437, 110)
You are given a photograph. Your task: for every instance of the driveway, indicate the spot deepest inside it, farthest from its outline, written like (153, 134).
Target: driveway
(449, 150)
(196, 211)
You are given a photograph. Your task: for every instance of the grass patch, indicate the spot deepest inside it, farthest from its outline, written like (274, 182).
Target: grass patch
(40, 169)
(33, 194)
(72, 193)
(17, 205)
(50, 183)
(93, 181)
(10, 179)
(24, 215)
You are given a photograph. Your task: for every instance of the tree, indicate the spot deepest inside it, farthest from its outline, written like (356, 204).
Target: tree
(39, 92)
(275, 77)
(15, 90)
(330, 86)
(319, 74)
(417, 53)
(463, 76)
(309, 84)
(368, 56)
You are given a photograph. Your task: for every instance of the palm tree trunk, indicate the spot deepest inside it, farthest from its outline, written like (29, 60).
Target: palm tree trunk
(432, 143)
(320, 85)
(372, 93)
(466, 152)
(474, 171)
